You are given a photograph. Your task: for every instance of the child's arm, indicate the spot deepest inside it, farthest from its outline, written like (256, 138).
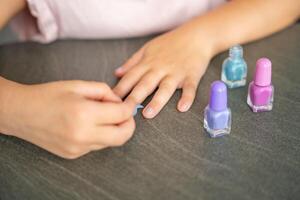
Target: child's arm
(241, 21)
(8, 9)
(179, 58)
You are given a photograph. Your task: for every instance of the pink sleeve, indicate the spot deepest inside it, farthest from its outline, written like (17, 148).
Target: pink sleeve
(48, 20)
(37, 23)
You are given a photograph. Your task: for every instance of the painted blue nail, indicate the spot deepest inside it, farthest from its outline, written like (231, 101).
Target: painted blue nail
(136, 109)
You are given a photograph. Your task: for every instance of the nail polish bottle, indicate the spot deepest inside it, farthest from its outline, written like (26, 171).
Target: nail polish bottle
(234, 68)
(261, 91)
(217, 116)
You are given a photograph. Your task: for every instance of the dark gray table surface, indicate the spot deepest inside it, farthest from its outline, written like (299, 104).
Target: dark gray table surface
(169, 157)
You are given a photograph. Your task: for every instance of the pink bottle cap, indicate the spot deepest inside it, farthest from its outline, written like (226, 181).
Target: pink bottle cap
(263, 72)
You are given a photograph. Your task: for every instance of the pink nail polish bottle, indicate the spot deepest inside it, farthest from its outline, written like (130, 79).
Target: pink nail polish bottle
(261, 91)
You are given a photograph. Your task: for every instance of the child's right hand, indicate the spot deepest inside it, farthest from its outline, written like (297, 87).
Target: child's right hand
(67, 118)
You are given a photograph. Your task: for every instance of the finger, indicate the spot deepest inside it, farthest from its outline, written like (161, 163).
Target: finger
(129, 80)
(188, 95)
(145, 87)
(161, 97)
(132, 61)
(111, 113)
(113, 135)
(95, 91)
(96, 147)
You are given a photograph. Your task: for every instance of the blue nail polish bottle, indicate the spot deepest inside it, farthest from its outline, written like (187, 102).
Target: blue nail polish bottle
(217, 116)
(234, 68)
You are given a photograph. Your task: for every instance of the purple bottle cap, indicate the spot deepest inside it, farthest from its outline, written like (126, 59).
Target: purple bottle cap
(263, 72)
(218, 96)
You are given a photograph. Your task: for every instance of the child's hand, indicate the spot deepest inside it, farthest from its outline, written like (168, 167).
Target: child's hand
(177, 59)
(68, 118)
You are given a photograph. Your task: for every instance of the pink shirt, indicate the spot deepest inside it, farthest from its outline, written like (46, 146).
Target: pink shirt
(48, 20)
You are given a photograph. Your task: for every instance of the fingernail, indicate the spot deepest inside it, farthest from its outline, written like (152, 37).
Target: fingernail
(136, 109)
(149, 112)
(119, 70)
(184, 107)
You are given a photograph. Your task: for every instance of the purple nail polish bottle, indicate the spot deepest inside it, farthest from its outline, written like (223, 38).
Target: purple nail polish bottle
(261, 91)
(217, 116)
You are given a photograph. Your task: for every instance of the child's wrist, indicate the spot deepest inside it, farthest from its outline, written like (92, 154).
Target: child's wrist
(208, 35)
(8, 95)
(209, 42)
(201, 37)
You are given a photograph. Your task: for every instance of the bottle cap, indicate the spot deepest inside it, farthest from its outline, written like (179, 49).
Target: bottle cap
(218, 96)
(263, 72)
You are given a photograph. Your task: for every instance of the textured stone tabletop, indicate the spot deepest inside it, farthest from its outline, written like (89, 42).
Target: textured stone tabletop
(169, 157)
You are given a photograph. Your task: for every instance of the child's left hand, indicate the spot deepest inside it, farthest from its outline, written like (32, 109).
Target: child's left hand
(175, 60)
